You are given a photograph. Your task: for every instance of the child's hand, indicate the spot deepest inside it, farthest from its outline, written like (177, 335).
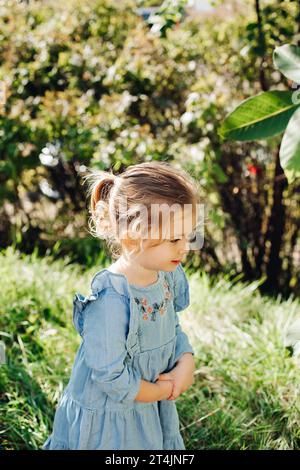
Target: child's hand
(179, 383)
(183, 379)
(166, 387)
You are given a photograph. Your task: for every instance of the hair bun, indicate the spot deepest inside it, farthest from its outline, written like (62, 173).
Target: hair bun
(102, 219)
(101, 209)
(100, 186)
(101, 190)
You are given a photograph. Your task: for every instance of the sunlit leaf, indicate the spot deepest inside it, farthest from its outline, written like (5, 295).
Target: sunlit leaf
(259, 117)
(290, 148)
(287, 59)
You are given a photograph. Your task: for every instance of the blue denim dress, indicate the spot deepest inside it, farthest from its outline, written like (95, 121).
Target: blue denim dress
(128, 333)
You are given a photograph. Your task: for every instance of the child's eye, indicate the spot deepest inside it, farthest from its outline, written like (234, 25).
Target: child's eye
(174, 241)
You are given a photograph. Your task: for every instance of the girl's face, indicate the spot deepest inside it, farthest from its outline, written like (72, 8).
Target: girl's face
(165, 254)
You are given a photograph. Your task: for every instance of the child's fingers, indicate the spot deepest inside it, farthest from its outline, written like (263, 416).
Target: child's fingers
(176, 391)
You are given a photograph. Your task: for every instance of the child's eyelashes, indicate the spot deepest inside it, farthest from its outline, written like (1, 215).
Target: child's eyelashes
(190, 238)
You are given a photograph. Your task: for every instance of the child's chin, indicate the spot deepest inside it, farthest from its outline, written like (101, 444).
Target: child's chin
(173, 267)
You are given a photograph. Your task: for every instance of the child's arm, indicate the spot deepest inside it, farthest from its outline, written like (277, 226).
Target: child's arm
(181, 301)
(183, 369)
(104, 339)
(182, 375)
(150, 392)
(183, 345)
(105, 330)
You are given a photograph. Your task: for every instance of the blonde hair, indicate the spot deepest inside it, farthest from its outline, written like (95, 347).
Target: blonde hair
(141, 185)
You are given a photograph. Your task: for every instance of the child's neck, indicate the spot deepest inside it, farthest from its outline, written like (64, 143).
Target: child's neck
(134, 272)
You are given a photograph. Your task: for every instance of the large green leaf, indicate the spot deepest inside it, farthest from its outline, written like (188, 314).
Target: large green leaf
(287, 59)
(260, 117)
(290, 148)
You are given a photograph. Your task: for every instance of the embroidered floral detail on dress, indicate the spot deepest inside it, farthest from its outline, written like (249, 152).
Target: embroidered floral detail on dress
(150, 311)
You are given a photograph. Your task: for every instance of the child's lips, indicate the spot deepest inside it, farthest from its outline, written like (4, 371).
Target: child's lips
(176, 261)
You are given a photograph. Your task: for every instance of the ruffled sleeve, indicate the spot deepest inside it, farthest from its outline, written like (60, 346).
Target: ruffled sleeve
(182, 342)
(181, 289)
(181, 301)
(104, 324)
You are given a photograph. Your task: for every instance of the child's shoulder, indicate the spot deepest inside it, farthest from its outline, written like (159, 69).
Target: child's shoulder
(178, 278)
(108, 281)
(106, 287)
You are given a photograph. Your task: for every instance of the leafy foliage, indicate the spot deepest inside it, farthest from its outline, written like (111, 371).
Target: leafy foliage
(90, 85)
(271, 113)
(287, 59)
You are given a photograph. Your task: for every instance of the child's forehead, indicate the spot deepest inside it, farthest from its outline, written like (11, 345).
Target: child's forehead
(183, 223)
(179, 222)
(182, 215)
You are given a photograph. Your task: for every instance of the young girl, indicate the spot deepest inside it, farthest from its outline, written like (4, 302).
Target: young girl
(134, 359)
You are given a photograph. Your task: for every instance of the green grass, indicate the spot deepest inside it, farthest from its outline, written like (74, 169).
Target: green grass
(246, 392)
